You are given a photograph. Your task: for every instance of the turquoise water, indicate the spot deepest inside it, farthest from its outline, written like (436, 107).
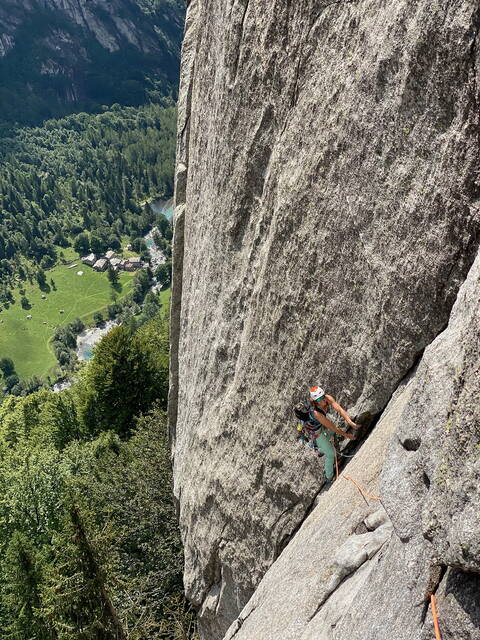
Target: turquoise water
(163, 206)
(86, 352)
(86, 341)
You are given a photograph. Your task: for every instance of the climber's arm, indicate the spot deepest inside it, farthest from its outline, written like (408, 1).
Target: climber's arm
(334, 404)
(329, 424)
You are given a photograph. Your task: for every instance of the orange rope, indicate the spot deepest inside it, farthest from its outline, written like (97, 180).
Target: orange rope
(435, 617)
(364, 493)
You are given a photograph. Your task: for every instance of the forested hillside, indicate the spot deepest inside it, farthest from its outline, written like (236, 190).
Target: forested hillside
(89, 543)
(83, 172)
(59, 57)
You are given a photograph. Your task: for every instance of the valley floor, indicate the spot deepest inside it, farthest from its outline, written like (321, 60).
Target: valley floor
(26, 340)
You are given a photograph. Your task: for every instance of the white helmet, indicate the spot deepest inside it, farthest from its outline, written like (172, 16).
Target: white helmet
(317, 393)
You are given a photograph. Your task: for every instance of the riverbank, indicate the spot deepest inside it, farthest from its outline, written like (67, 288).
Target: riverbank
(87, 340)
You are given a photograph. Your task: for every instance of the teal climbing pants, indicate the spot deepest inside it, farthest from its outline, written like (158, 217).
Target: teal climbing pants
(324, 445)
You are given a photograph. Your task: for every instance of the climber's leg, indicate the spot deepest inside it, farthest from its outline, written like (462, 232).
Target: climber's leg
(325, 446)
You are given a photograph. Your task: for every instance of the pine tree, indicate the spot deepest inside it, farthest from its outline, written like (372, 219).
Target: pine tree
(119, 384)
(112, 275)
(76, 594)
(21, 595)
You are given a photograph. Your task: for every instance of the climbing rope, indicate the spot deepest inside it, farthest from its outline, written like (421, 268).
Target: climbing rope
(436, 626)
(364, 494)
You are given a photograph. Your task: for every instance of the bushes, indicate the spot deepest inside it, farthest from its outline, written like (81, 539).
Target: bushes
(98, 318)
(164, 273)
(64, 344)
(7, 366)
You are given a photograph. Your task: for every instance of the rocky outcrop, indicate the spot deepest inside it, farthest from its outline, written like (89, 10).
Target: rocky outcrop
(87, 52)
(347, 574)
(328, 183)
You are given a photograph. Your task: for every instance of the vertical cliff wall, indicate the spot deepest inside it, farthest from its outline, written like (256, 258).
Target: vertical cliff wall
(327, 212)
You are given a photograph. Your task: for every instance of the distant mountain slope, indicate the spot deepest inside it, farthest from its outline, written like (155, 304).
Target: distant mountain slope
(57, 56)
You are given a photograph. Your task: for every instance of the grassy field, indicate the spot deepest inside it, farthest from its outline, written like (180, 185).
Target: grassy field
(27, 341)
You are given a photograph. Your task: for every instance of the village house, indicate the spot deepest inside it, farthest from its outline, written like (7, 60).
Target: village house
(100, 265)
(90, 260)
(116, 263)
(133, 263)
(110, 254)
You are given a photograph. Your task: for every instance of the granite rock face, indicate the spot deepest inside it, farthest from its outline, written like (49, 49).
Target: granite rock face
(424, 534)
(327, 179)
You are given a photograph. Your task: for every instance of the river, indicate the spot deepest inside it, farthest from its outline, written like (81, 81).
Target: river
(89, 338)
(163, 206)
(86, 342)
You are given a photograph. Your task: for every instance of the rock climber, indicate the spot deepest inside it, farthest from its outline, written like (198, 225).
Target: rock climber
(314, 419)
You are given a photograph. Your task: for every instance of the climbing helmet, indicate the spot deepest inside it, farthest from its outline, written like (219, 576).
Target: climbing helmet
(317, 393)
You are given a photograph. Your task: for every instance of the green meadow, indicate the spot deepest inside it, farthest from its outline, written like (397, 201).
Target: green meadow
(26, 341)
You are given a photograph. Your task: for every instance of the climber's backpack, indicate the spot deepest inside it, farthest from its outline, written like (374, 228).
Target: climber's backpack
(308, 426)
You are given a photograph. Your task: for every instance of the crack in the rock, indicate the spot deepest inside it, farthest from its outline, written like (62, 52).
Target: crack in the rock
(214, 565)
(238, 43)
(240, 621)
(294, 98)
(329, 595)
(473, 56)
(437, 573)
(277, 520)
(187, 122)
(287, 538)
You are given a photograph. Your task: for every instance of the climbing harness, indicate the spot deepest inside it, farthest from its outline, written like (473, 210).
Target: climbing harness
(309, 428)
(306, 436)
